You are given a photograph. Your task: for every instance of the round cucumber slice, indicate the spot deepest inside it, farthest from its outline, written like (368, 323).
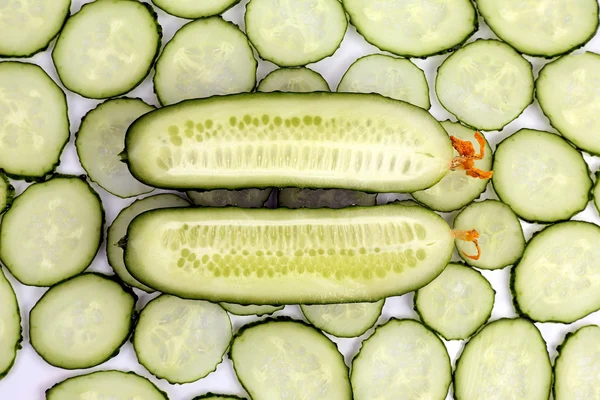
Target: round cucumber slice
(343, 320)
(194, 9)
(238, 309)
(7, 192)
(297, 80)
(247, 198)
(10, 326)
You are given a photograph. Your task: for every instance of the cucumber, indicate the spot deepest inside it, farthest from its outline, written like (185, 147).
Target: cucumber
(28, 27)
(561, 260)
(52, 231)
(180, 340)
(82, 322)
(213, 396)
(457, 303)
(343, 320)
(507, 359)
(32, 139)
(501, 236)
(10, 326)
(282, 256)
(297, 80)
(206, 57)
(397, 78)
(7, 193)
(100, 140)
(401, 358)
(248, 198)
(192, 9)
(485, 84)
(237, 309)
(532, 172)
(596, 192)
(282, 358)
(413, 28)
(542, 28)
(291, 33)
(319, 198)
(118, 229)
(107, 48)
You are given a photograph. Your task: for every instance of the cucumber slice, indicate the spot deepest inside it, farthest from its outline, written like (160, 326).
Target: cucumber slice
(82, 322)
(397, 78)
(193, 9)
(106, 385)
(319, 198)
(118, 230)
(457, 303)
(401, 357)
(532, 172)
(279, 358)
(180, 340)
(485, 84)
(500, 234)
(318, 140)
(297, 80)
(546, 28)
(52, 231)
(100, 140)
(248, 198)
(596, 192)
(238, 309)
(413, 28)
(7, 193)
(566, 92)
(35, 124)
(507, 359)
(457, 189)
(282, 256)
(561, 260)
(343, 320)
(112, 58)
(10, 326)
(213, 396)
(206, 57)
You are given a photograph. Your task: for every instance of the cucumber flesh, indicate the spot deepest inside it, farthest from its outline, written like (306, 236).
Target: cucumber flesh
(193, 9)
(7, 192)
(238, 309)
(248, 198)
(319, 198)
(343, 320)
(296, 80)
(10, 326)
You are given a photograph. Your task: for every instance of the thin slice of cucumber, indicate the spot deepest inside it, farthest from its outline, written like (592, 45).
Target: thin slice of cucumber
(282, 358)
(485, 84)
(206, 57)
(238, 309)
(557, 279)
(248, 198)
(596, 192)
(115, 55)
(292, 33)
(401, 357)
(180, 340)
(507, 359)
(501, 236)
(193, 9)
(318, 140)
(52, 231)
(457, 303)
(343, 320)
(7, 193)
(282, 256)
(296, 80)
(10, 326)
(319, 198)
(533, 170)
(413, 28)
(100, 140)
(213, 396)
(397, 78)
(82, 322)
(118, 229)
(34, 125)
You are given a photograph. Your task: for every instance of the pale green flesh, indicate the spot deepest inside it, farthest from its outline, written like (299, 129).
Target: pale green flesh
(296, 80)
(238, 309)
(194, 9)
(10, 325)
(118, 230)
(456, 303)
(402, 360)
(500, 234)
(318, 198)
(318, 140)
(343, 320)
(181, 340)
(282, 256)
(507, 359)
(247, 198)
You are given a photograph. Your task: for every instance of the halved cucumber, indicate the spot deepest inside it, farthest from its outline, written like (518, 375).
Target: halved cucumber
(7, 192)
(213, 396)
(247, 198)
(343, 320)
(10, 326)
(296, 80)
(238, 309)
(193, 9)
(319, 198)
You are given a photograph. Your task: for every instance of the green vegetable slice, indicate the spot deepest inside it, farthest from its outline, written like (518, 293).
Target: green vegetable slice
(7, 192)
(319, 198)
(297, 80)
(238, 309)
(193, 9)
(343, 320)
(247, 198)
(10, 326)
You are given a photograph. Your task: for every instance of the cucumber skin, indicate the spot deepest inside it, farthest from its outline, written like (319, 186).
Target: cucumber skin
(592, 197)
(19, 344)
(218, 396)
(559, 350)
(196, 17)
(10, 192)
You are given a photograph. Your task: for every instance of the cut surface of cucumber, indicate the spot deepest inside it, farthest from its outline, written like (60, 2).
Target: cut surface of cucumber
(118, 230)
(457, 303)
(10, 326)
(558, 280)
(401, 357)
(485, 84)
(34, 125)
(193, 9)
(397, 78)
(319, 198)
(279, 358)
(213, 396)
(413, 28)
(292, 33)
(107, 48)
(507, 359)
(52, 231)
(82, 322)
(501, 236)
(100, 140)
(318, 140)
(533, 170)
(247, 198)
(343, 320)
(206, 57)
(181, 340)
(545, 28)
(7, 192)
(238, 309)
(297, 80)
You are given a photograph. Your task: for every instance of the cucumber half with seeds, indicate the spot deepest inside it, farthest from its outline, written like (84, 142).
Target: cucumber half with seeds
(319, 198)
(247, 198)
(7, 192)
(10, 326)
(343, 320)
(193, 9)
(296, 80)
(238, 309)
